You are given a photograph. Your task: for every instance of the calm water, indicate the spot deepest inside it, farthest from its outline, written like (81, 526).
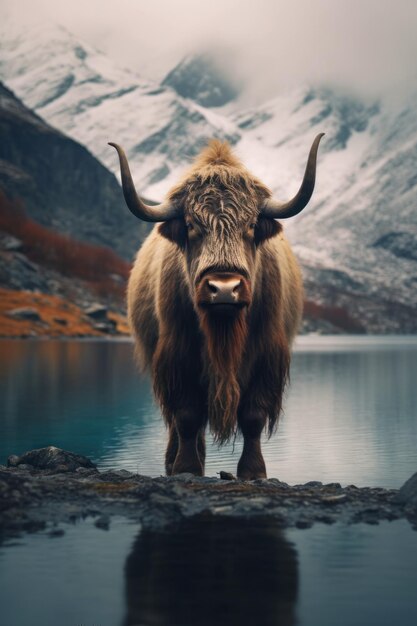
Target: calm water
(350, 416)
(210, 573)
(350, 413)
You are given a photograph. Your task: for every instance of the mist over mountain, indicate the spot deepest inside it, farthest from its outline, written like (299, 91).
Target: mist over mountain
(201, 79)
(357, 238)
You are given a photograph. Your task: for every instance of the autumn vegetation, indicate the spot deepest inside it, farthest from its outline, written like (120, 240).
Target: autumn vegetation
(335, 315)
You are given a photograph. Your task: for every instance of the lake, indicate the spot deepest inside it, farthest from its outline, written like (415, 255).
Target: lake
(350, 416)
(350, 413)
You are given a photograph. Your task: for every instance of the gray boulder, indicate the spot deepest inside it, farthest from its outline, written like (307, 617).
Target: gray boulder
(51, 458)
(97, 312)
(26, 313)
(408, 492)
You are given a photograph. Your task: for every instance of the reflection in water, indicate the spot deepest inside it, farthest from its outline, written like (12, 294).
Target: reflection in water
(214, 573)
(79, 395)
(210, 571)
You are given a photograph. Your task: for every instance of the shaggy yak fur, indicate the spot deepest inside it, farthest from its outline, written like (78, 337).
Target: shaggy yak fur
(227, 371)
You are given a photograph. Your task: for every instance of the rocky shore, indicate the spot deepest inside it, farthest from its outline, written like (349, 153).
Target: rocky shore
(46, 487)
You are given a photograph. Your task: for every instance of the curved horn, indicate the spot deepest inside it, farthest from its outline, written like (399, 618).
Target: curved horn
(281, 210)
(158, 213)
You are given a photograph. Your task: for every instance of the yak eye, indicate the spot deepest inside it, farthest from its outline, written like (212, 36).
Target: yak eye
(253, 225)
(189, 226)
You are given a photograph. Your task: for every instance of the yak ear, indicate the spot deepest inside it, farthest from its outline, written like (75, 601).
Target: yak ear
(266, 228)
(175, 231)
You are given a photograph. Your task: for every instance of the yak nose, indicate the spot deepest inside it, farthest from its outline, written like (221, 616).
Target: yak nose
(225, 291)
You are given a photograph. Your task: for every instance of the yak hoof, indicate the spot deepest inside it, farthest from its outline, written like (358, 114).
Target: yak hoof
(187, 468)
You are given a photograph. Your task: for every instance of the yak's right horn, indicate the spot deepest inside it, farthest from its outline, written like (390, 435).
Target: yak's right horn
(148, 213)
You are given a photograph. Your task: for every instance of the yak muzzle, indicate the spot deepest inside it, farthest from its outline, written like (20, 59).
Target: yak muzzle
(223, 292)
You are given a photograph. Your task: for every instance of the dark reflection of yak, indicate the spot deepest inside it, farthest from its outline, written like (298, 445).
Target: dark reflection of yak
(212, 572)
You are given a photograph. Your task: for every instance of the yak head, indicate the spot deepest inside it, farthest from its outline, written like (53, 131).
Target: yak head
(218, 216)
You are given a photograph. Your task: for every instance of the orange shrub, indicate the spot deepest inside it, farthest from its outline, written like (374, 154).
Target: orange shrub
(333, 314)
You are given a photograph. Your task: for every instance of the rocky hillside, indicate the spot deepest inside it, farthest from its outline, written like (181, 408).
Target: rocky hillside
(60, 183)
(53, 285)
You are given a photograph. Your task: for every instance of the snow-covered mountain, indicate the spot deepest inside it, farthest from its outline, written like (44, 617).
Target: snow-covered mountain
(202, 79)
(358, 238)
(80, 91)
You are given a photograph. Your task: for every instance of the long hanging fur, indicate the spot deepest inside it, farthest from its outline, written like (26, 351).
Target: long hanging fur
(226, 340)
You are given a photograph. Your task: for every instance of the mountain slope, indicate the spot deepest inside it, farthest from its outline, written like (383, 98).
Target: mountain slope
(368, 229)
(200, 78)
(60, 183)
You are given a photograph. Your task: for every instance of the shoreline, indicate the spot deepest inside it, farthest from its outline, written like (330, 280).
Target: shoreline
(303, 343)
(58, 486)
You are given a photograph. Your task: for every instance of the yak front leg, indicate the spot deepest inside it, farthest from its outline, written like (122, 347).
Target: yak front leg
(172, 449)
(201, 446)
(188, 459)
(251, 464)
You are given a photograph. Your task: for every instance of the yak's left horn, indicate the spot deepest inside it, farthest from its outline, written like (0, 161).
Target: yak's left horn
(281, 210)
(158, 213)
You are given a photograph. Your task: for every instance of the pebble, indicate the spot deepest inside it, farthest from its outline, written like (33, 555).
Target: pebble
(226, 476)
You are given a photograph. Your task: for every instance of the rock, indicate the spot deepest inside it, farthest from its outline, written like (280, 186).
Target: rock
(85, 471)
(122, 473)
(106, 327)
(279, 483)
(304, 523)
(11, 244)
(408, 492)
(184, 477)
(118, 279)
(51, 458)
(62, 468)
(56, 532)
(97, 312)
(32, 267)
(334, 499)
(103, 522)
(226, 476)
(25, 314)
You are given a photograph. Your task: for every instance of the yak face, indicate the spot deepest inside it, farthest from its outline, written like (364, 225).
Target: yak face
(219, 234)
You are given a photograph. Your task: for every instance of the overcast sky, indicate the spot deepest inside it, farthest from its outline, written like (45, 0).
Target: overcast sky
(367, 45)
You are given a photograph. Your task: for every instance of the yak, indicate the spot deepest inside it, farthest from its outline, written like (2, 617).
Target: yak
(215, 299)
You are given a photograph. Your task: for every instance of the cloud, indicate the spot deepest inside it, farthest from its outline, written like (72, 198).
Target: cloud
(365, 45)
